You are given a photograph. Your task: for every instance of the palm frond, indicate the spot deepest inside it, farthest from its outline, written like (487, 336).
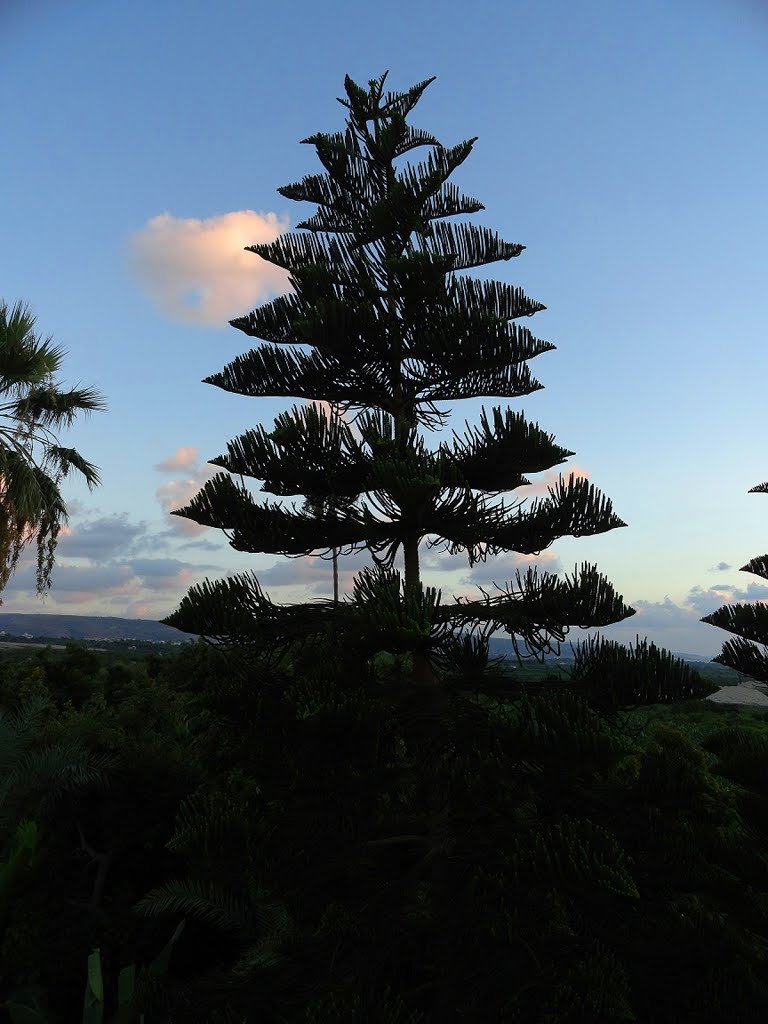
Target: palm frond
(209, 902)
(47, 407)
(31, 459)
(24, 356)
(67, 459)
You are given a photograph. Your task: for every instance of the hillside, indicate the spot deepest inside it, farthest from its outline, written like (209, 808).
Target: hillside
(89, 627)
(502, 647)
(102, 627)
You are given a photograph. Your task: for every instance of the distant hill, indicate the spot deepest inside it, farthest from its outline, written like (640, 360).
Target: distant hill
(103, 627)
(89, 627)
(499, 647)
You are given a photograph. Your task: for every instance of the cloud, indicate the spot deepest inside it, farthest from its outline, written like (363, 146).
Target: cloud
(163, 573)
(313, 573)
(182, 458)
(200, 545)
(706, 601)
(99, 539)
(120, 585)
(140, 610)
(549, 479)
(71, 585)
(434, 560)
(503, 568)
(176, 494)
(654, 614)
(75, 507)
(720, 567)
(197, 271)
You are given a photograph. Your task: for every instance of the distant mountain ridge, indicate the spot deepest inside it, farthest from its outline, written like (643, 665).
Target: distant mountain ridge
(105, 627)
(499, 647)
(90, 627)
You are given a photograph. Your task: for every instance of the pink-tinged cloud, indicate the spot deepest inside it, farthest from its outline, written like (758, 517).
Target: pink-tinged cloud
(708, 599)
(197, 271)
(75, 585)
(326, 410)
(139, 610)
(176, 494)
(506, 565)
(123, 587)
(182, 458)
(541, 485)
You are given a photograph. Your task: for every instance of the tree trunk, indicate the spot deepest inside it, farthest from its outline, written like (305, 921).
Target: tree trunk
(445, 961)
(422, 672)
(443, 945)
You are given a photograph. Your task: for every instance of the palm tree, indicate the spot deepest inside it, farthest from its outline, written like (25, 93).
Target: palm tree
(32, 462)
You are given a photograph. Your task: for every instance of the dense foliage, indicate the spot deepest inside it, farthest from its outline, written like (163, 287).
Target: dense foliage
(281, 813)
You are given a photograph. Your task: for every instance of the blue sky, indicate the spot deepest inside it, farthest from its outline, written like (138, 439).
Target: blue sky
(623, 144)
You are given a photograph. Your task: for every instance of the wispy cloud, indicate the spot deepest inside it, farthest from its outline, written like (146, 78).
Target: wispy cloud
(197, 271)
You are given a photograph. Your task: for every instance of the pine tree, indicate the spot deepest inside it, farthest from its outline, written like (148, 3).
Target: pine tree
(381, 323)
(748, 621)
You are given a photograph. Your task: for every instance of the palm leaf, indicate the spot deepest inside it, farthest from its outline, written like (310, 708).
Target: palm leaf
(48, 407)
(67, 459)
(209, 902)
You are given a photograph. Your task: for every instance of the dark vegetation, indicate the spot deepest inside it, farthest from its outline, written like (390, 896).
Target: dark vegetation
(606, 864)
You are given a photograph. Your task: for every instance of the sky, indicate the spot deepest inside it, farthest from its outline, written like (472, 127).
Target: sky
(623, 144)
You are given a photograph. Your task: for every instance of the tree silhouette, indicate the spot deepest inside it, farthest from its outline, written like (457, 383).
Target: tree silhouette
(32, 462)
(381, 322)
(748, 621)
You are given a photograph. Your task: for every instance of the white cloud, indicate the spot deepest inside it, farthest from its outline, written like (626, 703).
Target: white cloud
(197, 271)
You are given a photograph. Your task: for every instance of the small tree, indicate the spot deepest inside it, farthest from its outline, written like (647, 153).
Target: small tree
(32, 462)
(323, 505)
(392, 330)
(748, 621)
